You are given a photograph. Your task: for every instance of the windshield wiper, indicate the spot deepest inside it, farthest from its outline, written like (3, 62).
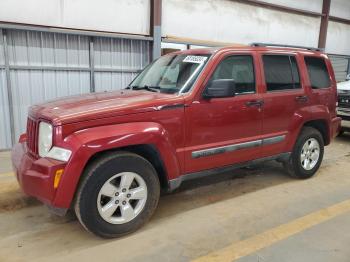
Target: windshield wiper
(146, 87)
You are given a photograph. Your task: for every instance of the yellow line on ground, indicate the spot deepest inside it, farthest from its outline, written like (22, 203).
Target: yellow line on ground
(7, 174)
(251, 245)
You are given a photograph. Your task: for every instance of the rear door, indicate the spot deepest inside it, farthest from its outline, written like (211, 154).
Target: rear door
(284, 96)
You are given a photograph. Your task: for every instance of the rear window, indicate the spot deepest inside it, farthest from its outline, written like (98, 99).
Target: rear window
(281, 72)
(318, 73)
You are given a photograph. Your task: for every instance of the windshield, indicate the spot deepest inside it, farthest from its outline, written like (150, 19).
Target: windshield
(171, 74)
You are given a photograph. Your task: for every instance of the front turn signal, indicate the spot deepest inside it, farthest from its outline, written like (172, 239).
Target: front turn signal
(57, 178)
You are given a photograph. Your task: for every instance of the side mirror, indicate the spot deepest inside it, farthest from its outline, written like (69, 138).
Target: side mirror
(347, 77)
(220, 88)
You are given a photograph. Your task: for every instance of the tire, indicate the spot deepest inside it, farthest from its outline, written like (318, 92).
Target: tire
(103, 186)
(309, 137)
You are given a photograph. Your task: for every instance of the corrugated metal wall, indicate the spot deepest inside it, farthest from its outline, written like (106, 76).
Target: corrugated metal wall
(45, 66)
(29, 53)
(117, 61)
(340, 66)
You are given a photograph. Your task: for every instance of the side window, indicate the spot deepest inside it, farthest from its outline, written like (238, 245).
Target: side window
(281, 72)
(318, 72)
(239, 68)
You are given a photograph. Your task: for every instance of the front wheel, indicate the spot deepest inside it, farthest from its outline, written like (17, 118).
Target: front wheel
(118, 194)
(307, 154)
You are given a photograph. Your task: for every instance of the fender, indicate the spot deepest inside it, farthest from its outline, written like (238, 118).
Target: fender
(87, 142)
(321, 112)
(298, 120)
(304, 115)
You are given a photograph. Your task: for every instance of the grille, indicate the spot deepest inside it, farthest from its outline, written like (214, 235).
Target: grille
(32, 136)
(344, 101)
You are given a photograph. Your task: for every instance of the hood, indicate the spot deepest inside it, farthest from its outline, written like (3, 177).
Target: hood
(343, 85)
(100, 105)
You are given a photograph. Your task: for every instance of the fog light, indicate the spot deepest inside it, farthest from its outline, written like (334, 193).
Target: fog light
(57, 179)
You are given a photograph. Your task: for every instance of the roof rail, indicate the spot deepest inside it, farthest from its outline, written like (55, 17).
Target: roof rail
(291, 46)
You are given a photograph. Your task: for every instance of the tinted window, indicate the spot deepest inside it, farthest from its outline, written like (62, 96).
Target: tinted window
(239, 68)
(281, 72)
(318, 73)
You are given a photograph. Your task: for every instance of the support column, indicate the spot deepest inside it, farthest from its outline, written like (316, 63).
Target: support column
(324, 24)
(92, 64)
(156, 27)
(9, 87)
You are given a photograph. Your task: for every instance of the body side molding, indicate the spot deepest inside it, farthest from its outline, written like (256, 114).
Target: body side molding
(234, 147)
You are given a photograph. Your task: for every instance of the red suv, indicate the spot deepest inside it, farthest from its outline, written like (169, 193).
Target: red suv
(188, 114)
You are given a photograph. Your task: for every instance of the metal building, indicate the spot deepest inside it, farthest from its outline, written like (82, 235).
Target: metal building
(61, 52)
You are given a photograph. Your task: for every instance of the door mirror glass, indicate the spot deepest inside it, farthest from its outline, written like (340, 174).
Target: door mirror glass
(348, 77)
(220, 88)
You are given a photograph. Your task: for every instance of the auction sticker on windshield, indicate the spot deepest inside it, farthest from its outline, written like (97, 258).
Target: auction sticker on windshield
(195, 59)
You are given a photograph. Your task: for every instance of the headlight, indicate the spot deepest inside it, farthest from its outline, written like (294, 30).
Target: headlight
(45, 138)
(45, 144)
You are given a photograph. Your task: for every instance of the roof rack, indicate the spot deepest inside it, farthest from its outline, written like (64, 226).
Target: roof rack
(291, 46)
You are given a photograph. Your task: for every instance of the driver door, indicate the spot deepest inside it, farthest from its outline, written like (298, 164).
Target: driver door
(225, 131)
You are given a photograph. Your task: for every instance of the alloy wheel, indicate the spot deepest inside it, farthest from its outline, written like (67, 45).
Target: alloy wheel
(122, 198)
(310, 154)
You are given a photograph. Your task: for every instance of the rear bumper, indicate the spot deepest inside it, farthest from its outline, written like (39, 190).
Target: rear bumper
(335, 126)
(35, 176)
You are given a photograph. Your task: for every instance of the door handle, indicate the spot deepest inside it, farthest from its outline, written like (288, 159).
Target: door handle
(257, 103)
(301, 99)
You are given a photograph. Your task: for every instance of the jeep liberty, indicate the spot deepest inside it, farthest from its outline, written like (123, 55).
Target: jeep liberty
(188, 114)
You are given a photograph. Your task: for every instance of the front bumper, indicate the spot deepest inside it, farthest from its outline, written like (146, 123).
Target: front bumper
(35, 176)
(344, 114)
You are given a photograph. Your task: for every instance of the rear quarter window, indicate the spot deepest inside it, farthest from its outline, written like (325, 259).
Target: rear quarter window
(318, 73)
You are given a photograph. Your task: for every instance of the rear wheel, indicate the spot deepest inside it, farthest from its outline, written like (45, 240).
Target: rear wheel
(119, 193)
(307, 154)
